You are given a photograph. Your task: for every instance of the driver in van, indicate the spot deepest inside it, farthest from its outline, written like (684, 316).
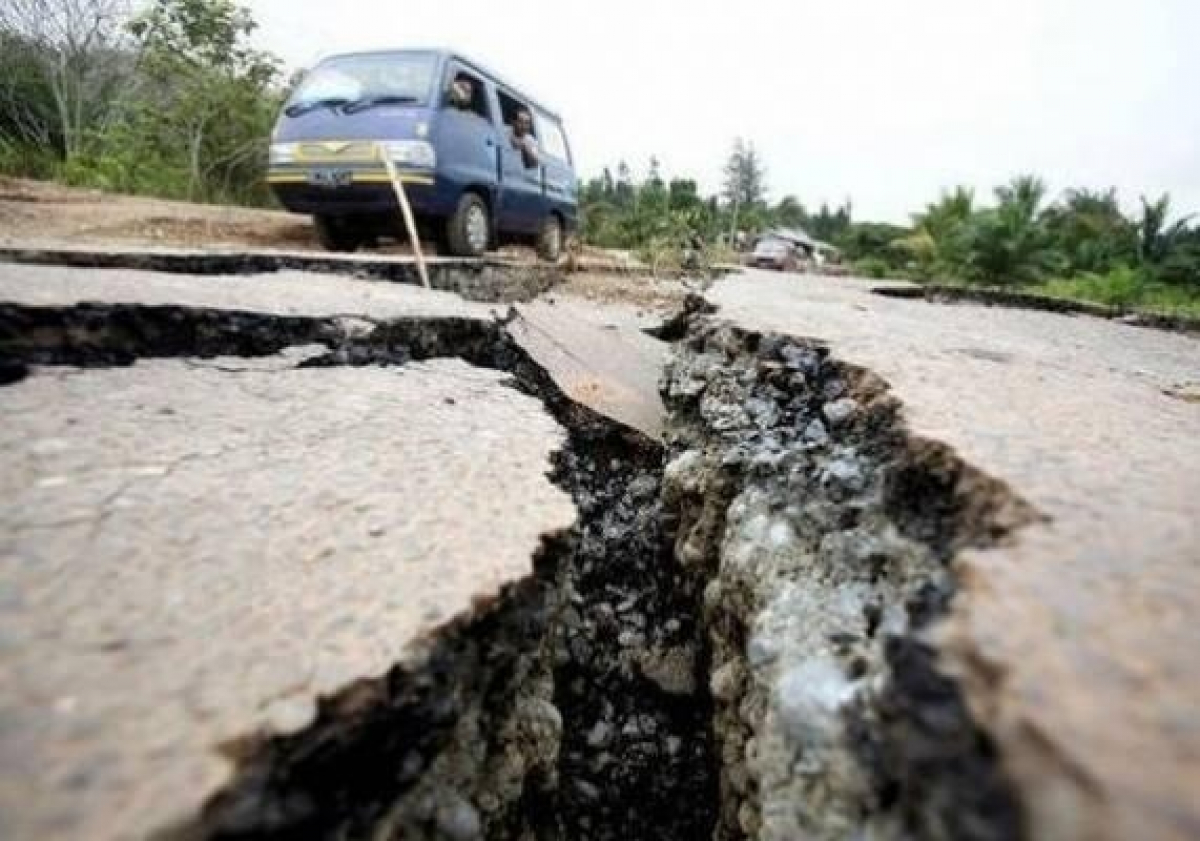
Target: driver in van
(523, 140)
(462, 93)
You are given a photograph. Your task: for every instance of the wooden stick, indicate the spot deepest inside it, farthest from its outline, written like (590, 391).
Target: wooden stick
(406, 212)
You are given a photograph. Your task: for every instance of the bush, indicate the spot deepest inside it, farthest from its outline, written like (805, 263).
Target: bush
(1120, 287)
(873, 267)
(26, 161)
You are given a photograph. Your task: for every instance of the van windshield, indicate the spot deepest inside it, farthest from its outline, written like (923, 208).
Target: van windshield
(396, 78)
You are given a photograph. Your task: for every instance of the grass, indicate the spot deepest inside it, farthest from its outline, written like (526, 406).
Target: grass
(1126, 289)
(1123, 288)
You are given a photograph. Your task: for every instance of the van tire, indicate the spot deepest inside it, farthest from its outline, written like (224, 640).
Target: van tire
(550, 239)
(337, 233)
(468, 230)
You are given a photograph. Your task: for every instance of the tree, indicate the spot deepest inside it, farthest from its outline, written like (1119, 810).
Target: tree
(654, 173)
(829, 224)
(653, 199)
(607, 189)
(207, 98)
(683, 194)
(789, 213)
(937, 243)
(745, 182)
(874, 241)
(1090, 231)
(1010, 243)
(624, 192)
(63, 62)
(1157, 237)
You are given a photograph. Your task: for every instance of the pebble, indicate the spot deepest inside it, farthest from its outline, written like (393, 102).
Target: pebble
(840, 411)
(816, 434)
(589, 791)
(630, 639)
(599, 735)
(801, 359)
(844, 472)
(459, 821)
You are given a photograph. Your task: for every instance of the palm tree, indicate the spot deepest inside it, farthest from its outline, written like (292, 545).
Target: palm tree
(1156, 238)
(1090, 231)
(1010, 242)
(936, 241)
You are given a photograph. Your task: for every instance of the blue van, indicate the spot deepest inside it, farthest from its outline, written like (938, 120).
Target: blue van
(481, 162)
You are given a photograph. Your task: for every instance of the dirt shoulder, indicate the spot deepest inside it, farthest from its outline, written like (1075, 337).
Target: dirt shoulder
(38, 210)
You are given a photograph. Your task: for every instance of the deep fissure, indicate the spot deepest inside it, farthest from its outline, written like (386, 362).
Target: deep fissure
(475, 280)
(726, 645)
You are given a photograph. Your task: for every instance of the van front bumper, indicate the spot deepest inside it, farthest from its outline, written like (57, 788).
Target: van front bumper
(338, 192)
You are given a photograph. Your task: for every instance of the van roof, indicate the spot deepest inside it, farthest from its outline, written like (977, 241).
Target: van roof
(461, 58)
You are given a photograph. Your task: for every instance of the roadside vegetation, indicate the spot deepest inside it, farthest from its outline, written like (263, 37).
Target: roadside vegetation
(1082, 246)
(169, 98)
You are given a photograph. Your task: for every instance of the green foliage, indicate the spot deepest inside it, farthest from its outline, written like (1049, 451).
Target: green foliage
(1157, 236)
(1127, 288)
(872, 267)
(937, 244)
(1090, 232)
(190, 120)
(745, 176)
(874, 241)
(198, 129)
(27, 159)
(1121, 286)
(789, 213)
(27, 115)
(1009, 243)
(1180, 267)
(829, 225)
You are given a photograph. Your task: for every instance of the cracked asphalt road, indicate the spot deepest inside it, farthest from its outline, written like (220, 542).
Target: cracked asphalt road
(598, 354)
(1075, 640)
(192, 550)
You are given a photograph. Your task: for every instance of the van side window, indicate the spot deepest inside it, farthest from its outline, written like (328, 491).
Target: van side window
(554, 143)
(465, 92)
(510, 107)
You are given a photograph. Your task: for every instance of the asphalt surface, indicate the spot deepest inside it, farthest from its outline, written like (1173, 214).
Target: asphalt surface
(1077, 640)
(192, 551)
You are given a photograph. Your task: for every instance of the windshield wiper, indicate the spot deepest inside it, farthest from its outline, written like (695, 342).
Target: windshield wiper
(375, 101)
(300, 108)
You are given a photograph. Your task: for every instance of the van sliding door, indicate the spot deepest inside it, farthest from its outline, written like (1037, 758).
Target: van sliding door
(522, 206)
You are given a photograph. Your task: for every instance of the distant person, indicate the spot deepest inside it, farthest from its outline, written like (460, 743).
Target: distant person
(462, 93)
(523, 140)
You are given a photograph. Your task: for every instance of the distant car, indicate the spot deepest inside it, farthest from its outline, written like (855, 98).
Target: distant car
(776, 254)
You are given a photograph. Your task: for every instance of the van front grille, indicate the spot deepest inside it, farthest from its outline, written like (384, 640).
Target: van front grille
(337, 150)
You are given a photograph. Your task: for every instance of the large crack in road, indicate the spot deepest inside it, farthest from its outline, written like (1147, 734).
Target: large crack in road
(728, 644)
(491, 280)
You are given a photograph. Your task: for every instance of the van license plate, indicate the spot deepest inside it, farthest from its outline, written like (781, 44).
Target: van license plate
(330, 177)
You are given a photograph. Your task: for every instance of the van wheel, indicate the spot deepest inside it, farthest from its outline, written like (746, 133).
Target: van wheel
(337, 233)
(469, 230)
(550, 239)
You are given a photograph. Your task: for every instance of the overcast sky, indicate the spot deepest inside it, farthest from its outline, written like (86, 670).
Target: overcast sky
(881, 101)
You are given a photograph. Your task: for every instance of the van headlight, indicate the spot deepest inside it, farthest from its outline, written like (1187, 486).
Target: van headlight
(417, 153)
(283, 153)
